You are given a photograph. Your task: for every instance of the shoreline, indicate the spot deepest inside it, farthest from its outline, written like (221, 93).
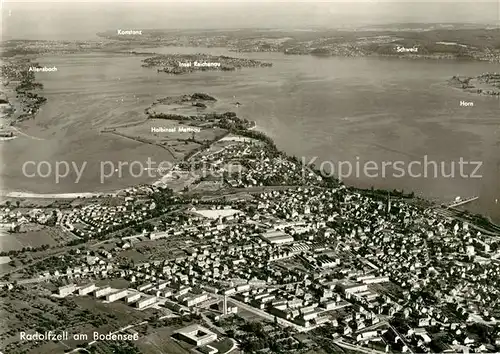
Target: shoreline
(75, 195)
(160, 182)
(479, 85)
(28, 195)
(255, 127)
(24, 97)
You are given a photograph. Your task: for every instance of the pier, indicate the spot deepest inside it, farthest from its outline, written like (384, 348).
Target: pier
(460, 202)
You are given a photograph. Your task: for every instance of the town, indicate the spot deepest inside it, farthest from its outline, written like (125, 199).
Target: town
(269, 257)
(237, 247)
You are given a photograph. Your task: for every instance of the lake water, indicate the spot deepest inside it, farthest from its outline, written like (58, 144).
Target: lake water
(332, 109)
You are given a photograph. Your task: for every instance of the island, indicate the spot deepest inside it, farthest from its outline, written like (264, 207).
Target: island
(185, 63)
(198, 108)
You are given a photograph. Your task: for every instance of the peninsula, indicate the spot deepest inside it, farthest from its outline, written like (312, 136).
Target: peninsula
(484, 84)
(20, 95)
(183, 125)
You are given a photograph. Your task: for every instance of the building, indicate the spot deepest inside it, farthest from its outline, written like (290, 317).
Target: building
(102, 291)
(243, 287)
(158, 235)
(351, 288)
(195, 300)
(66, 290)
(86, 289)
(196, 334)
(120, 294)
(145, 287)
(276, 237)
(132, 298)
(376, 280)
(145, 302)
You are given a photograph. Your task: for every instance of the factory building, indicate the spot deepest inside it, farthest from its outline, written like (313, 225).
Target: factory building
(120, 294)
(66, 290)
(376, 280)
(145, 287)
(244, 287)
(132, 298)
(195, 300)
(145, 302)
(158, 235)
(102, 291)
(276, 237)
(86, 289)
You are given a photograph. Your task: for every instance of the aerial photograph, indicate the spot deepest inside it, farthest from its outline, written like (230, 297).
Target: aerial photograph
(238, 176)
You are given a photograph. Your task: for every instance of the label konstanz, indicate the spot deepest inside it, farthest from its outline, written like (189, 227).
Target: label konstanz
(129, 32)
(44, 69)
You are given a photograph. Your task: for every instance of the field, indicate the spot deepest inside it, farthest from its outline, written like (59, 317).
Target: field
(27, 202)
(208, 186)
(36, 309)
(144, 130)
(177, 142)
(247, 315)
(34, 238)
(159, 249)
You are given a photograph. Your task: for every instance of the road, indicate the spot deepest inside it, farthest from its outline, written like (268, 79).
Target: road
(212, 325)
(451, 213)
(372, 327)
(402, 338)
(24, 134)
(267, 316)
(234, 347)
